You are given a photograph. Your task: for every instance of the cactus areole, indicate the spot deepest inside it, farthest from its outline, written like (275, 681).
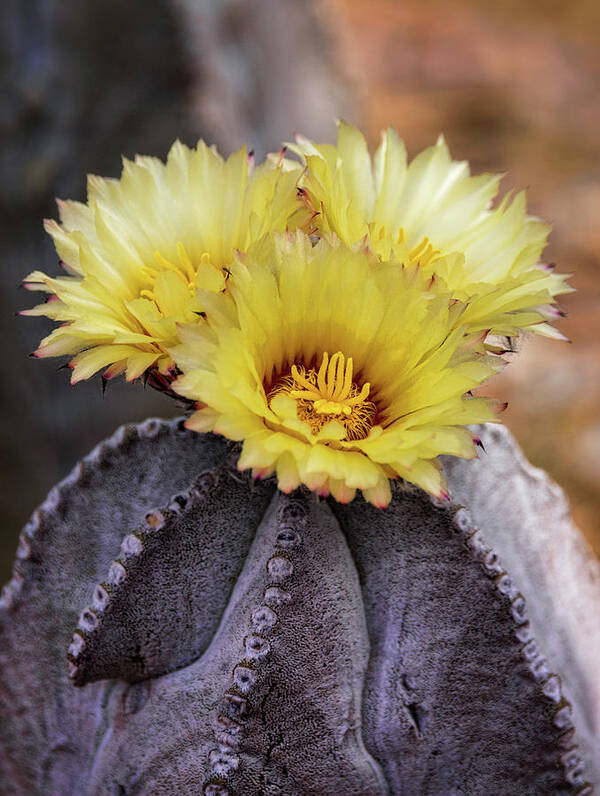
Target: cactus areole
(173, 626)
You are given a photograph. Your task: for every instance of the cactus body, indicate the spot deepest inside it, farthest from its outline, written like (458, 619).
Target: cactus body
(173, 627)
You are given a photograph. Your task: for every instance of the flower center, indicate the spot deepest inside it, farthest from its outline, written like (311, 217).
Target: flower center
(184, 269)
(329, 394)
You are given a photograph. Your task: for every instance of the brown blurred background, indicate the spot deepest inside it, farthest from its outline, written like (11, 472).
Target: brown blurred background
(514, 87)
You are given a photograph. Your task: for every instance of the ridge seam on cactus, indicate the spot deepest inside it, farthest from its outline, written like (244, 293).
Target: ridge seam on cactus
(537, 665)
(137, 549)
(98, 457)
(132, 547)
(549, 683)
(224, 760)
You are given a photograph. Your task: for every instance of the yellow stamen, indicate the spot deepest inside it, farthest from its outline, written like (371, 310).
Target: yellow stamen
(186, 262)
(330, 393)
(185, 270)
(304, 382)
(423, 253)
(167, 264)
(148, 273)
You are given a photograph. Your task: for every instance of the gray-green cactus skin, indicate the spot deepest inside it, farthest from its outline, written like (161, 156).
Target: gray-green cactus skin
(173, 627)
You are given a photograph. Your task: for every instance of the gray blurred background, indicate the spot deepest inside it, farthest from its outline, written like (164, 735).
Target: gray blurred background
(514, 86)
(83, 83)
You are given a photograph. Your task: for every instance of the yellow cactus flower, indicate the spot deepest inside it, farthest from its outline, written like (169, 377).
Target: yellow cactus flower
(336, 372)
(142, 247)
(433, 213)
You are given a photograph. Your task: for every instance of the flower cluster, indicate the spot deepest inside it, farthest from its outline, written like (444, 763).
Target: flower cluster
(434, 214)
(331, 313)
(141, 249)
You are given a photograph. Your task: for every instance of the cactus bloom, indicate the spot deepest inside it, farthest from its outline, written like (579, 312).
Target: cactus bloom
(423, 212)
(139, 250)
(334, 371)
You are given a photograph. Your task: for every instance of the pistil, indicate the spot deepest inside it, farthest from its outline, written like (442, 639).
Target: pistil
(329, 394)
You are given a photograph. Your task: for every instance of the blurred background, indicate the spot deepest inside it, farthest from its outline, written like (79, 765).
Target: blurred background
(514, 86)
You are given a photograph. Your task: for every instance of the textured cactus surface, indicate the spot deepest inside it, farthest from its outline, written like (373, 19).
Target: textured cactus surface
(173, 627)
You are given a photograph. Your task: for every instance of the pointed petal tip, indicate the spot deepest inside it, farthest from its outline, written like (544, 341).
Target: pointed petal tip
(381, 504)
(257, 474)
(50, 224)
